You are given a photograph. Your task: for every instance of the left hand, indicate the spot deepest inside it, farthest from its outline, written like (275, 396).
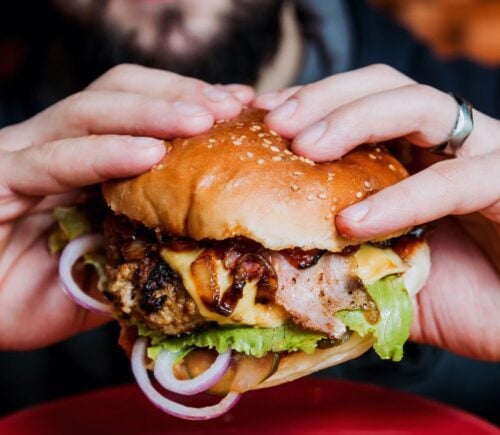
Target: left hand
(328, 118)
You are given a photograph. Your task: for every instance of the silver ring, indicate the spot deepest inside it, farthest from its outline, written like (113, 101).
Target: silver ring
(461, 130)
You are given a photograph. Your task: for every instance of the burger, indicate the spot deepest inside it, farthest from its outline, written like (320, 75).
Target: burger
(226, 271)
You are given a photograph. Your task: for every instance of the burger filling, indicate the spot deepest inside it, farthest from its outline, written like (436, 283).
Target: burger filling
(235, 294)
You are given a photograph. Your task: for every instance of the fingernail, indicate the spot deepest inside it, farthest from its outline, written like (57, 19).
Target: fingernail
(189, 109)
(145, 142)
(286, 110)
(215, 94)
(313, 133)
(356, 212)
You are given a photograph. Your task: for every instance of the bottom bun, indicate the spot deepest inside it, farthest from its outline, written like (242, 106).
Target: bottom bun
(299, 364)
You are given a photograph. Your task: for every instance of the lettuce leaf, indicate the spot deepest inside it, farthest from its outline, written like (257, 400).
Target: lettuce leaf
(245, 339)
(72, 223)
(392, 328)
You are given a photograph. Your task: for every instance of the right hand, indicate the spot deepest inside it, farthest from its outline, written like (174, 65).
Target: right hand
(111, 129)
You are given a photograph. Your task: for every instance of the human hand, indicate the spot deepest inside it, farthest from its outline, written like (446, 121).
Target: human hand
(329, 118)
(458, 307)
(106, 131)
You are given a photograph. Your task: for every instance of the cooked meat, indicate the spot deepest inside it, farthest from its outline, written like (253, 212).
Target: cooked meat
(310, 285)
(312, 296)
(150, 292)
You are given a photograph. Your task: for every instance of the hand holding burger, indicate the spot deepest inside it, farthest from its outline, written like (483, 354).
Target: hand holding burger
(106, 131)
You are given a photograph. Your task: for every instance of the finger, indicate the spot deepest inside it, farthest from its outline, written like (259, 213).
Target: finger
(60, 166)
(271, 100)
(49, 203)
(169, 86)
(422, 114)
(477, 284)
(243, 93)
(102, 112)
(314, 101)
(455, 186)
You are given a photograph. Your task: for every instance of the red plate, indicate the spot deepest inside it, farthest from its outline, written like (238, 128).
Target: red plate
(305, 406)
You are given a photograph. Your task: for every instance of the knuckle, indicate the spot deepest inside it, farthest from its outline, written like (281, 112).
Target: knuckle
(389, 72)
(119, 72)
(383, 69)
(74, 107)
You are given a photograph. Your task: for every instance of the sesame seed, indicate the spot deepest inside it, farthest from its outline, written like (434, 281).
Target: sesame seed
(359, 195)
(260, 161)
(378, 149)
(372, 156)
(294, 187)
(274, 148)
(331, 176)
(249, 154)
(276, 158)
(298, 173)
(322, 195)
(211, 140)
(310, 197)
(328, 216)
(220, 121)
(335, 199)
(333, 208)
(302, 159)
(241, 158)
(367, 184)
(236, 142)
(267, 141)
(392, 167)
(309, 162)
(169, 149)
(242, 137)
(288, 152)
(158, 167)
(273, 132)
(256, 127)
(210, 145)
(239, 124)
(262, 135)
(294, 157)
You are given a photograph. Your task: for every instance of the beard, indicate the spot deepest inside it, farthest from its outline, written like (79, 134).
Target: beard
(247, 39)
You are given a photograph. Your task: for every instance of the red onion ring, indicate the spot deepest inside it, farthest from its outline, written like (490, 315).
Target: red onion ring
(167, 405)
(70, 255)
(164, 374)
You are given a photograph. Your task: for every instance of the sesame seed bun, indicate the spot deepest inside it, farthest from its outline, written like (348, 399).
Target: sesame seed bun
(241, 179)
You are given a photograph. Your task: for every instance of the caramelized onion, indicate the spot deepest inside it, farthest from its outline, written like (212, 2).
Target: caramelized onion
(204, 271)
(301, 259)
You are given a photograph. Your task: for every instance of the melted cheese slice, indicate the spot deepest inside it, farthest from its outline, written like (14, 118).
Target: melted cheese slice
(376, 263)
(373, 264)
(246, 312)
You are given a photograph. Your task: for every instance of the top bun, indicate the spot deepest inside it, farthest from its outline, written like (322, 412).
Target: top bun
(241, 179)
